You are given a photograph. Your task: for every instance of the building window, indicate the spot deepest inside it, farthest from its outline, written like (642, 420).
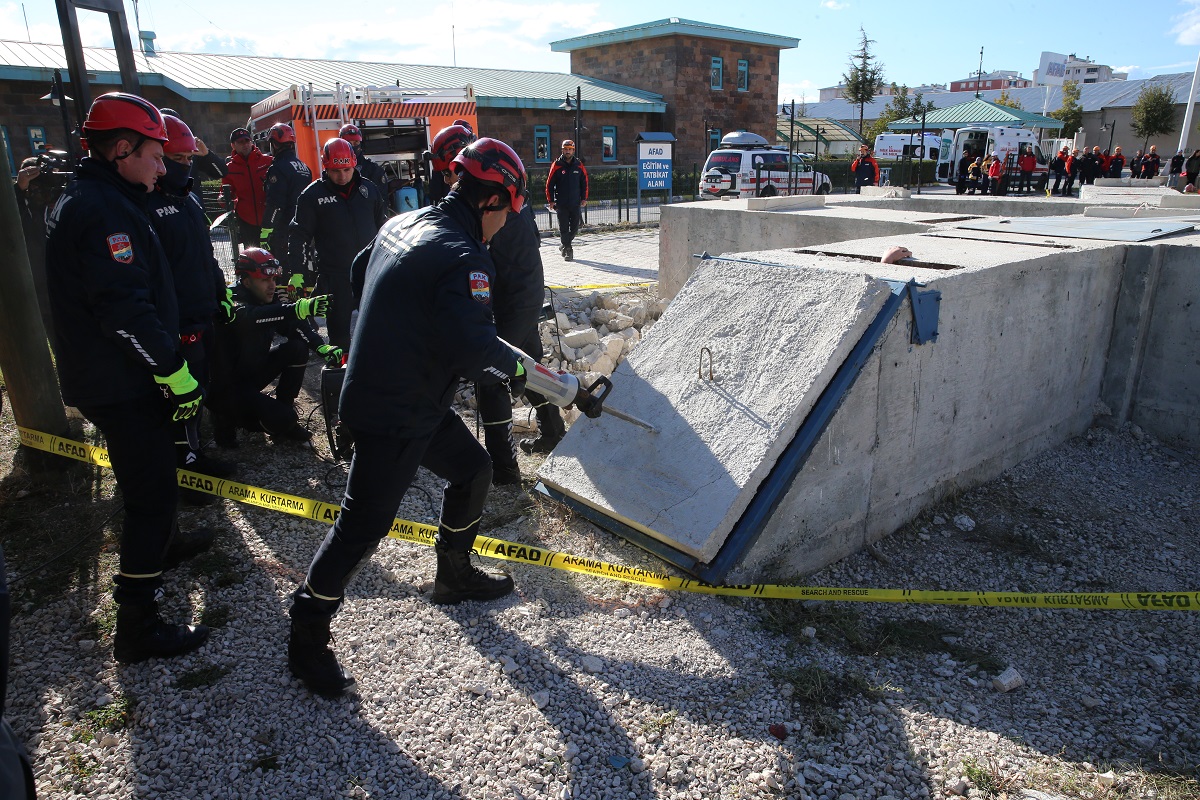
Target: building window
(37, 139)
(12, 165)
(541, 144)
(716, 78)
(714, 139)
(608, 143)
(743, 75)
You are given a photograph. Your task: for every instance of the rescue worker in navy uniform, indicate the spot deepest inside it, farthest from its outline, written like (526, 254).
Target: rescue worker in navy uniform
(287, 177)
(248, 359)
(517, 297)
(340, 214)
(117, 331)
(200, 286)
(425, 321)
(366, 167)
(567, 194)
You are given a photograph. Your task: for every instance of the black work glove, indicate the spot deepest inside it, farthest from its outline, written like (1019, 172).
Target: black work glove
(516, 384)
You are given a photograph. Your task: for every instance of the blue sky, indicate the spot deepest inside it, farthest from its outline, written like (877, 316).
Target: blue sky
(916, 45)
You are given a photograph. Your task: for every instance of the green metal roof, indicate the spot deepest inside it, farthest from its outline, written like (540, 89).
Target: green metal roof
(670, 27)
(976, 112)
(807, 128)
(219, 78)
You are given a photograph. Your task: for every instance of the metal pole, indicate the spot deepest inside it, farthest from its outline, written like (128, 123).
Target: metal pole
(979, 77)
(578, 108)
(68, 139)
(1187, 114)
(24, 352)
(792, 187)
(1114, 130)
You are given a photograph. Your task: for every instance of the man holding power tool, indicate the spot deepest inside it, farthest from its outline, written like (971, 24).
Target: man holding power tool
(425, 322)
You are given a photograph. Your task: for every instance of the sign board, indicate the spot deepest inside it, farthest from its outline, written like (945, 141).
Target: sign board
(654, 166)
(1052, 69)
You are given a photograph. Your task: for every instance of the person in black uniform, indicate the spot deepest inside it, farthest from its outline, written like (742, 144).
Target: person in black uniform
(117, 331)
(366, 167)
(425, 322)
(200, 286)
(567, 194)
(517, 298)
(340, 214)
(247, 359)
(287, 177)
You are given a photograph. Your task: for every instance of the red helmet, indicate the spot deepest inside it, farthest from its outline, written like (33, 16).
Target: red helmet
(350, 133)
(447, 144)
(465, 124)
(338, 154)
(492, 161)
(257, 263)
(281, 133)
(179, 136)
(120, 111)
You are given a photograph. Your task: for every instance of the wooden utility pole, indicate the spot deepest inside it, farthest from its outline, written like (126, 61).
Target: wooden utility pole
(29, 376)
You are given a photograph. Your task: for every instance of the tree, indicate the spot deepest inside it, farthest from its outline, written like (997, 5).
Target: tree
(865, 78)
(1070, 113)
(899, 107)
(1005, 99)
(1153, 113)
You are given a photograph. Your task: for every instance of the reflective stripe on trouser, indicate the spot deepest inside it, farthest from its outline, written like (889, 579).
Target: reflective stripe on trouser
(381, 471)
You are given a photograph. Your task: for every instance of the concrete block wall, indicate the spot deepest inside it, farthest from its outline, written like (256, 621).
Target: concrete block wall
(1017, 368)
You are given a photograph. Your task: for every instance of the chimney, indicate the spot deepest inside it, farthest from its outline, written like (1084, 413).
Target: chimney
(147, 40)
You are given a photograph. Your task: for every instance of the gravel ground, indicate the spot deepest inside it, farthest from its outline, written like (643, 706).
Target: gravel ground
(578, 687)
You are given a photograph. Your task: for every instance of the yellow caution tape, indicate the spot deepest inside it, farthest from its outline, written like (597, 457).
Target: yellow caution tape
(420, 533)
(605, 285)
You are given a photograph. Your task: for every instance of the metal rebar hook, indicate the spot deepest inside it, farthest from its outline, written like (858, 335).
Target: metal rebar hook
(700, 368)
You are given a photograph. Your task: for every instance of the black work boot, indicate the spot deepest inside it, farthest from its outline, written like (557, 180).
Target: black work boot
(197, 461)
(311, 660)
(187, 544)
(458, 579)
(141, 634)
(552, 428)
(499, 443)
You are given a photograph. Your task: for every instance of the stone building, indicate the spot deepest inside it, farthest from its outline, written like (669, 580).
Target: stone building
(711, 77)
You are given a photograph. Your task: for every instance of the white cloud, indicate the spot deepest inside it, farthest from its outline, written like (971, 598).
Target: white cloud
(1129, 68)
(1187, 24)
(834, 5)
(93, 28)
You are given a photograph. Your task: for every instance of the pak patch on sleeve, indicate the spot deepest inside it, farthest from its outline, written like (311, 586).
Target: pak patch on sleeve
(481, 289)
(121, 248)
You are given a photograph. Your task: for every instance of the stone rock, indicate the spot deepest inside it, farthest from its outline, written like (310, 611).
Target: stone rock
(1106, 779)
(614, 345)
(1157, 663)
(603, 365)
(939, 520)
(964, 523)
(620, 322)
(638, 314)
(579, 338)
(809, 632)
(601, 316)
(562, 320)
(636, 765)
(960, 788)
(610, 302)
(587, 351)
(1144, 742)
(1008, 680)
(591, 664)
(541, 699)
(87, 645)
(1090, 702)
(660, 307)
(631, 336)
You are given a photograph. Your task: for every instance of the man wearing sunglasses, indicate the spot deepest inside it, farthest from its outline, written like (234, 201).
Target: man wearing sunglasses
(425, 323)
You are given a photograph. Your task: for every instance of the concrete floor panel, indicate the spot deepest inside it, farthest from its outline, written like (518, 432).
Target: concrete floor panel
(777, 334)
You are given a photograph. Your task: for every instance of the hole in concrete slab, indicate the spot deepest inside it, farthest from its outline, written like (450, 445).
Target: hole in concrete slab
(907, 262)
(951, 219)
(1047, 243)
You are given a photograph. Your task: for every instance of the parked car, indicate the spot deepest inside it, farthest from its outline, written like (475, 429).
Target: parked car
(746, 165)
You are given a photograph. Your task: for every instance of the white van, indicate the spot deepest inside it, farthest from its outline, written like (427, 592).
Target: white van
(983, 140)
(895, 146)
(744, 159)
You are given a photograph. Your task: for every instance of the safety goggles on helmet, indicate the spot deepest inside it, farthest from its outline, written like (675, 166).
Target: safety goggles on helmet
(258, 263)
(492, 161)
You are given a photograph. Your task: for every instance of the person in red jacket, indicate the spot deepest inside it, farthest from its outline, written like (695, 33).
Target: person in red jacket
(865, 169)
(1026, 163)
(246, 176)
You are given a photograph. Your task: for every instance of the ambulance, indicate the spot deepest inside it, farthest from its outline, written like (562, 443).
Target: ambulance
(397, 123)
(895, 146)
(983, 140)
(746, 165)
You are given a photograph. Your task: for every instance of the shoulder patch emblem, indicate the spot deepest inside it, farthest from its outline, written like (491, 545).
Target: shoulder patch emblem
(481, 288)
(274, 179)
(121, 248)
(362, 190)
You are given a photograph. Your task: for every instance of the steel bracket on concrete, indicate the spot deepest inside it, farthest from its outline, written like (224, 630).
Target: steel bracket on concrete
(925, 309)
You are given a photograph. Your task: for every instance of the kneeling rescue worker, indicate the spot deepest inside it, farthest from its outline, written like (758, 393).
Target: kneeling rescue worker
(425, 322)
(117, 341)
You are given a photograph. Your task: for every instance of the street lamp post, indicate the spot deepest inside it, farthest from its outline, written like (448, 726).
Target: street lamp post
(58, 96)
(574, 104)
(816, 156)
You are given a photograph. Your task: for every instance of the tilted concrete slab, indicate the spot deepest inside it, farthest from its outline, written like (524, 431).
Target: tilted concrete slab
(776, 336)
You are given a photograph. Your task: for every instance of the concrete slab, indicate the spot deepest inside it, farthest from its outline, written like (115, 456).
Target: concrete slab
(776, 336)
(1134, 229)
(1124, 195)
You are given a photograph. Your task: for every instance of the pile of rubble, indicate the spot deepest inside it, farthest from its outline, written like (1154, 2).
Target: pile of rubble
(591, 335)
